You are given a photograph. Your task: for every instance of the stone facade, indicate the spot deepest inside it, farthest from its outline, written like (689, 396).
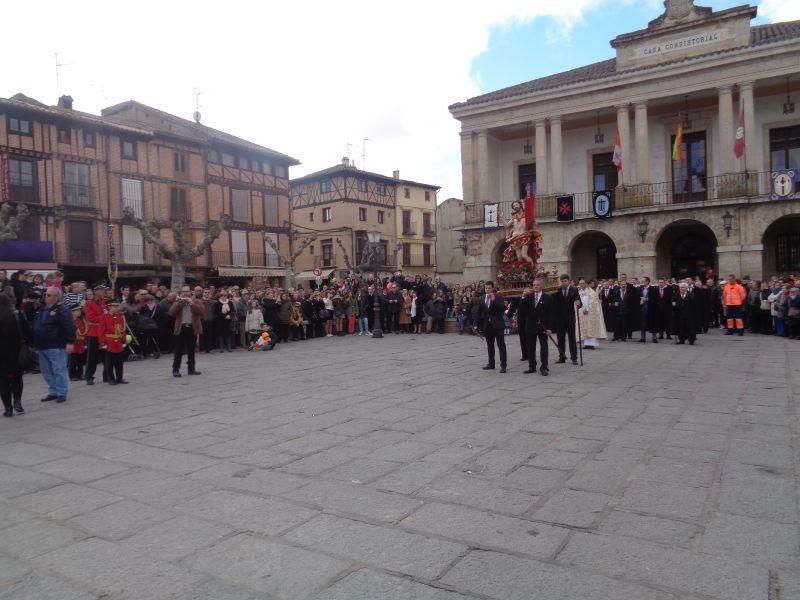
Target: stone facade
(416, 226)
(449, 231)
(690, 66)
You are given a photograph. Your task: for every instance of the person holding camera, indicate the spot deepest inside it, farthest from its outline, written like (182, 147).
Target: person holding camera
(187, 314)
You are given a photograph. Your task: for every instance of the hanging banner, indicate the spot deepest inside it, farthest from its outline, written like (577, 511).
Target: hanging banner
(112, 259)
(565, 209)
(490, 219)
(783, 185)
(603, 204)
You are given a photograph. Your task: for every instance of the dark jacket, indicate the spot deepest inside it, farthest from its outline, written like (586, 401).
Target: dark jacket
(435, 308)
(564, 306)
(11, 325)
(53, 327)
(539, 317)
(491, 316)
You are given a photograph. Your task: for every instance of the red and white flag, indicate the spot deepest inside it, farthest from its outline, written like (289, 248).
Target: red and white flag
(739, 143)
(618, 153)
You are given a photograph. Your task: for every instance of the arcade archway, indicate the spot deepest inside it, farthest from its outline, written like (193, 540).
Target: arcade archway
(781, 241)
(686, 249)
(593, 256)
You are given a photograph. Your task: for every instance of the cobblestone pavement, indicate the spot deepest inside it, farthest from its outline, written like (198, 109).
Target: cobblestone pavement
(396, 469)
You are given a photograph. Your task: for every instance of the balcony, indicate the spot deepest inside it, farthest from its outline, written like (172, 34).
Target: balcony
(96, 254)
(244, 259)
(429, 232)
(77, 195)
(409, 230)
(418, 259)
(25, 194)
(694, 192)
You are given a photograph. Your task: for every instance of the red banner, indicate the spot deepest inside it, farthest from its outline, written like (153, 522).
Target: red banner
(5, 177)
(530, 201)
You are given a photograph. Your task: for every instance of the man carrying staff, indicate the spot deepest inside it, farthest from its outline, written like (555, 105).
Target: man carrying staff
(566, 299)
(94, 311)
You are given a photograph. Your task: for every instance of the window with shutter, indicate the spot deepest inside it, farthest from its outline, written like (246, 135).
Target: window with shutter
(269, 252)
(271, 210)
(179, 208)
(132, 246)
(239, 255)
(76, 184)
(240, 200)
(132, 196)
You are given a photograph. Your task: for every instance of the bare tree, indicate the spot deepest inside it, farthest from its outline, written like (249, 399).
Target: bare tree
(181, 254)
(346, 256)
(11, 223)
(288, 261)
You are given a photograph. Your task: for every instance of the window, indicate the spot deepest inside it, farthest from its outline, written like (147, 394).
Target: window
(280, 171)
(325, 186)
(362, 214)
(179, 208)
(327, 253)
(426, 224)
(381, 189)
(132, 246)
(406, 193)
(607, 262)
(407, 229)
(689, 175)
(362, 185)
(406, 255)
(64, 135)
(76, 184)
(380, 216)
(20, 126)
(383, 252)
(361, 244)
(271, 257)
(244, 163)
(527, 176)
(311, 217)
(88, 139)
(228, 160)
(784, 148)
(212, 156)
(22, 179)
(427, 196)
(179, 162)
(604, 172)
(129, 149)
(240, 201)
(271, 210)
(426, 255)
(239, 254)
(311, 249)
(132, 196)
(267, 168)
(256, 165)
(327, 215)
(787, 252)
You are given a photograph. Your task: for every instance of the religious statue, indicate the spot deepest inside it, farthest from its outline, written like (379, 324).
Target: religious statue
(524, 242)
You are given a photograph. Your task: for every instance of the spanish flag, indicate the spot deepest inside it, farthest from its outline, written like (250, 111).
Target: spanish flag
(677, 147)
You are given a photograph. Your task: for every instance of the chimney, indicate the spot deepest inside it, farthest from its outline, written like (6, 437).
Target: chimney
(396, 174)
(345, 161)
(65, 102)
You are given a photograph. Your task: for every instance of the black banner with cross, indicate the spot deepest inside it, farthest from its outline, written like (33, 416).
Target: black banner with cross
(603, 204)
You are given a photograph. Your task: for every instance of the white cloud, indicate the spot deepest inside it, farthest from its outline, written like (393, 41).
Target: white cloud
(779, 10)
(304, 78)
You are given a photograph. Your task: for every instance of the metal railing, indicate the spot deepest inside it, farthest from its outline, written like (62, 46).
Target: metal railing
(417, 259)
(244, 259)
(411, 230)
(24, 193)
(429, 232)
(694, 189)
(77, 195)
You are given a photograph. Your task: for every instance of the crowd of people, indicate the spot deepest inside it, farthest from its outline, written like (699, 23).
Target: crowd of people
(77, 329)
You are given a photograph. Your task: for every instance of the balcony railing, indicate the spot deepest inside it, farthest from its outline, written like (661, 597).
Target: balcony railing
(77, 195)
(693, 190)
(429, 232)
(410, 230)
(418, 259)
(96, 253)
(245, 259)
(24, 193)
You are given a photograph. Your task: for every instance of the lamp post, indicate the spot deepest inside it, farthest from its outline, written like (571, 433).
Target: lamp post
(641, 227)
(374, 239)
(727, 223)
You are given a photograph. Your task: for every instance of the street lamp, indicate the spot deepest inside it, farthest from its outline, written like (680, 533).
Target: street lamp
(642, 226)
(727, 223)
(374, 239)
(462, 243)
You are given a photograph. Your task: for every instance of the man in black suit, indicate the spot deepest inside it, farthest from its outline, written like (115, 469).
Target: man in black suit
(566, 299)
(685, 315)
(664, 309)
(491, 325)
(648, 310)
(625, 299)
(538, 327)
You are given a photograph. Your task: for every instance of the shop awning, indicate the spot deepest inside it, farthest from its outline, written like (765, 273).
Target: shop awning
(250, 272)
(326, 273)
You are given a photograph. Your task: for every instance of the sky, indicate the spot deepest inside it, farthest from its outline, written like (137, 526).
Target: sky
(313, 78)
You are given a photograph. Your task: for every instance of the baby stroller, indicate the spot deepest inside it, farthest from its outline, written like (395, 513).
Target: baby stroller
(144, 331)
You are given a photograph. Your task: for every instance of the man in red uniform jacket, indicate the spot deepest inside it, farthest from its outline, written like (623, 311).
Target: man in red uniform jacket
(94, 311)
(77, 358)
(114, 333)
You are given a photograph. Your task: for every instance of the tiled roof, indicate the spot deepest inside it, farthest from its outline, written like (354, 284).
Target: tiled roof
(27, 104)
(345, 170)
(189, 129)
(759, 36)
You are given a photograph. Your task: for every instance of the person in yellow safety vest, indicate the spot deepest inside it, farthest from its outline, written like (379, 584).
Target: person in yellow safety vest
(733, 296)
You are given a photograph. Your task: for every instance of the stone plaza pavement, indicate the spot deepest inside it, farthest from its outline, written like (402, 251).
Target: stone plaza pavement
(396, 469)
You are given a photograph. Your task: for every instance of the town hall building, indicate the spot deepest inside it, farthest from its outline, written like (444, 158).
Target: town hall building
(721, 86)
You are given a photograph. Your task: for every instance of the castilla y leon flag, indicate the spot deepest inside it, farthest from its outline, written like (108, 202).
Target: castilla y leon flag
(618, 153)
(677, 147)
(738, 143)
(530, 201)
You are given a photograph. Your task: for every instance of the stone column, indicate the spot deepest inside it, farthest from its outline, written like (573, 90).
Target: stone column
(726, 131)
(482, 166)
(541, 158)
(642, 143)
(750, 137)
(557, 156)
(624, 128)
(468, 167)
